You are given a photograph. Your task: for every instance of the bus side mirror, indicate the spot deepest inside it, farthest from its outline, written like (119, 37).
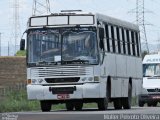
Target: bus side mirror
(22, 44)
(101, 33)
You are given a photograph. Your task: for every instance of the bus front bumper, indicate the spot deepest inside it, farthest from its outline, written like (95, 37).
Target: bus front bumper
(149, 97)
(64, 92)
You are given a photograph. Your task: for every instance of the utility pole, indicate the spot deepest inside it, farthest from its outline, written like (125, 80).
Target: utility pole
(40, 7)
(8, 48)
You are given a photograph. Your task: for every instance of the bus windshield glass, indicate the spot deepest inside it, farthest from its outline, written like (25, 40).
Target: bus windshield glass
(150, 70)
(67, 46)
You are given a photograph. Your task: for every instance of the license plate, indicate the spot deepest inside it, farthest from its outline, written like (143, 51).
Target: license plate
(63, 96)
(156, 97)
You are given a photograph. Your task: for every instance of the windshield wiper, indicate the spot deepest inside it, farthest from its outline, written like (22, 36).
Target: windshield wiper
(43, 63)
(75, 61)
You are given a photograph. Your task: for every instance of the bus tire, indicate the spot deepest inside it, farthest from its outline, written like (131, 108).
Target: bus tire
(78, 105)
(128, 101)
(149, 104)
(154, 104)
(117, 103)
(69, 106)
(45, 106)
(141, 103)
(103, 104)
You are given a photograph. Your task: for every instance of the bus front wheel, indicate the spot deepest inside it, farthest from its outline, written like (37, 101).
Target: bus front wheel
(78, 105)
(69, 106)
(45, 106)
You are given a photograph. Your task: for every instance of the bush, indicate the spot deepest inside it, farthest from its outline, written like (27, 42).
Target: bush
(21, 53)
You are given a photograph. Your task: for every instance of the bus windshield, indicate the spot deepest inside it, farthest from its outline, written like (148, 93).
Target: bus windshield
(150, 70)
(63, 46)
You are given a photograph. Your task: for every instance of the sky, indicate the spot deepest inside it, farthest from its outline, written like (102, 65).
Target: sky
(120, 9)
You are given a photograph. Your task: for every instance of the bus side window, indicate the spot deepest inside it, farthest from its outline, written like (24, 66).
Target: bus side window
(107, 38)
(128, 42)
(137, 43)
(118, 40)
(133, 43)
(113, 39)
(110, 38)
(124, 40)
(121, 40)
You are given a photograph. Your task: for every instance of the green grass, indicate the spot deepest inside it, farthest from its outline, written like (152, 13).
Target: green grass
(17, 101)
(21, 53)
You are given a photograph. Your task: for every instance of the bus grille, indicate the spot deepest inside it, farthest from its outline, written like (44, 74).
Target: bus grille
(62, 80)
(50, 72)
(153, 90)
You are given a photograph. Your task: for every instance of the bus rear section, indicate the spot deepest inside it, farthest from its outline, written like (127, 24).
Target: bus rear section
(151, 81)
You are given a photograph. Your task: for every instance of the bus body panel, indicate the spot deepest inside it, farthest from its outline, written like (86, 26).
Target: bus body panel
(88, 90)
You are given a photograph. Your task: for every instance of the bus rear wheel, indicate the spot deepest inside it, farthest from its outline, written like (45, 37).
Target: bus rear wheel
(127, 101)
(45, 106)
(117, 103)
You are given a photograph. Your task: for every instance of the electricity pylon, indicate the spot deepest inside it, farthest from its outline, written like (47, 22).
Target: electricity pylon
(140, 19)
(40, 7)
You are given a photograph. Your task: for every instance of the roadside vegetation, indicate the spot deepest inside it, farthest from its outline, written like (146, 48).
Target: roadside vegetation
(21, 53)
(16, 101)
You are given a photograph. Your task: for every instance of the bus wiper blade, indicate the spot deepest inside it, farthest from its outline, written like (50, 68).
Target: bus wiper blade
(75, 61)
(41, 63)
(46, 63)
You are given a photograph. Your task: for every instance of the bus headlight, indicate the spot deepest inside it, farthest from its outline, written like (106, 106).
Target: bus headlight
(34, 81)
(90, 79)
(40, 80)
(37, 81)
(83, 79)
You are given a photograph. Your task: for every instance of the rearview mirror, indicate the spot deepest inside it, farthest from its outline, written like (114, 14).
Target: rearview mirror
(22, 44)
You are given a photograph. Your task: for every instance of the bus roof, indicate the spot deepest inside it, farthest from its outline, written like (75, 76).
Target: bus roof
(155, 58)
(117, 22)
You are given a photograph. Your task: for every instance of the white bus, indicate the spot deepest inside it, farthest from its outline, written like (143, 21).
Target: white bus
(151, 81)
(77, 58)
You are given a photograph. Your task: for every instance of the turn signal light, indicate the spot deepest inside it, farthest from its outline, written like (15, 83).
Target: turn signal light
(29, 81)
